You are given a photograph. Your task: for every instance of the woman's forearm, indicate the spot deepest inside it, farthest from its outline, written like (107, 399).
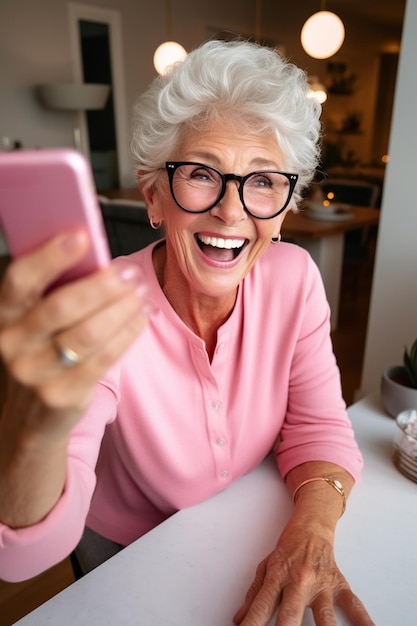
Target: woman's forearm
(32, 469)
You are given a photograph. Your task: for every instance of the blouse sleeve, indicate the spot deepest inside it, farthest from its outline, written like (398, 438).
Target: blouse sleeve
(25, 552)
(316, 427)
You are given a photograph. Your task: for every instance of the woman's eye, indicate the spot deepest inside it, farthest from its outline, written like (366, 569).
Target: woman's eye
(202, 174)
(261, 181)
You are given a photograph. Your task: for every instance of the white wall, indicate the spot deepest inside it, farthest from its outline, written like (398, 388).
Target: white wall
(393, 312)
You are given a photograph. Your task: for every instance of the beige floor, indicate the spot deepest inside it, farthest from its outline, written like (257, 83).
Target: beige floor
(16, 600)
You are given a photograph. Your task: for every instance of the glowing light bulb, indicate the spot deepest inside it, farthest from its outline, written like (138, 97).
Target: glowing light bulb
(166, 54)
(322, 34)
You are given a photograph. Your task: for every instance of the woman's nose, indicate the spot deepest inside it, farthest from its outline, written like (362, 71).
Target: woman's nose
(230, 208)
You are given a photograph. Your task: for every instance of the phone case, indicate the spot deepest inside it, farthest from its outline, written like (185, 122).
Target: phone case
(45, 192)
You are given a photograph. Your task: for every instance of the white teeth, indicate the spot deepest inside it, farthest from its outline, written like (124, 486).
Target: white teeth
(219, 242)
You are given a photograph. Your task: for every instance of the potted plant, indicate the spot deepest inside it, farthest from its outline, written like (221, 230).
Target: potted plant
(399, 384)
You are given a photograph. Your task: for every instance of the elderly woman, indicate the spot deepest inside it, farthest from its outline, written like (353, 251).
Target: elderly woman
(235, 355)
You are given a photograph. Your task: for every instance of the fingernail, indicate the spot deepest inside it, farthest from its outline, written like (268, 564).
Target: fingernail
(141, 290)
(148, 308)
(127, 272)
(71, 241)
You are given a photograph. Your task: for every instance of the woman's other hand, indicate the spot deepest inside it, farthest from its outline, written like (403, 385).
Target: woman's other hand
(300, 572)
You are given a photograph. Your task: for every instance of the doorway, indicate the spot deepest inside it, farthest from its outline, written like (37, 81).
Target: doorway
(96, 32)
(101, 126)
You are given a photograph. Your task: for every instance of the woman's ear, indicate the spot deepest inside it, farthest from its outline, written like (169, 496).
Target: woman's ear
(152, 199)
(147, 192)
(148, 196)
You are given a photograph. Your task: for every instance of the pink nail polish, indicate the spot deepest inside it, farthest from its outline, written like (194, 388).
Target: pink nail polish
(141, 290)
(148, 308)
(128, 273)
(72, 241)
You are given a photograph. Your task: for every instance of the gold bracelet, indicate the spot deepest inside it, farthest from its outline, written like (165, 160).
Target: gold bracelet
(336, 484)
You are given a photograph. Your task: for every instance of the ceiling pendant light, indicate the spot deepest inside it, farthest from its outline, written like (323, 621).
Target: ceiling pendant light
(322, 34)
(166, 54)
(170, 51)
(258, 20)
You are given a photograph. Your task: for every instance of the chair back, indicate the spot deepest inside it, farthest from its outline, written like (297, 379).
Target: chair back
(127, 225)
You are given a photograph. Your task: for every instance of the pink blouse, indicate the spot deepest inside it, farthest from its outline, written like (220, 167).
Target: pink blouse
(168, 429)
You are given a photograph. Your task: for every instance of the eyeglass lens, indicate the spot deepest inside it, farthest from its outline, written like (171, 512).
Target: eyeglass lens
(198, 187)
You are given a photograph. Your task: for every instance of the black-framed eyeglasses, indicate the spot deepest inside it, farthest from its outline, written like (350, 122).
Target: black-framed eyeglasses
(197, 188)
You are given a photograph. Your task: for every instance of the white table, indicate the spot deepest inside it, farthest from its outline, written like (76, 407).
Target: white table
(194, 569)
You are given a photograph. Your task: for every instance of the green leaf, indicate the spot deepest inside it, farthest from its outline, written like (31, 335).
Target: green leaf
(413, 354)
(410, 368)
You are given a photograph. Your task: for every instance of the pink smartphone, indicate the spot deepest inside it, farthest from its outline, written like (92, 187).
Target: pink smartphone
(45, 192)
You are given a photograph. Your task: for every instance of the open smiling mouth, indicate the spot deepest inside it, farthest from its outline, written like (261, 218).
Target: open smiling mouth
(219, 248)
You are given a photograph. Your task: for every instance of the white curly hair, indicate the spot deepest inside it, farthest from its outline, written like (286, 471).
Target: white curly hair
(253, 83)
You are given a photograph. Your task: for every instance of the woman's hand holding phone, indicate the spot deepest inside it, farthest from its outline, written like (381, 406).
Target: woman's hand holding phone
(97, 316)
(66, 316)
(53, 226)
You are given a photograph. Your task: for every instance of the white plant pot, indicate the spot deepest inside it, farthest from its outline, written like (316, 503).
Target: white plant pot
(395, 396)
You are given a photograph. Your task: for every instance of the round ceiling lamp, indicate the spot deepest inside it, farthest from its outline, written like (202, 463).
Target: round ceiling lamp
(322, 34)
(166, 54)
(170, 51)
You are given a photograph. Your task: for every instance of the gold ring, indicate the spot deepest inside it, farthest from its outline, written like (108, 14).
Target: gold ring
(68, 357)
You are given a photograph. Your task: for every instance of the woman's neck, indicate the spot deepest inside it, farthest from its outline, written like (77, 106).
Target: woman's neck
(203, 314)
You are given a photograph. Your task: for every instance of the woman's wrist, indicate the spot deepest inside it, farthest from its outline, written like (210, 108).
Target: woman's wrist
(319, 491)
(332, 482)
(318, 508)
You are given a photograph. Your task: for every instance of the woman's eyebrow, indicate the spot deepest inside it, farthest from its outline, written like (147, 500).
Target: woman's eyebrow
(211, 159)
